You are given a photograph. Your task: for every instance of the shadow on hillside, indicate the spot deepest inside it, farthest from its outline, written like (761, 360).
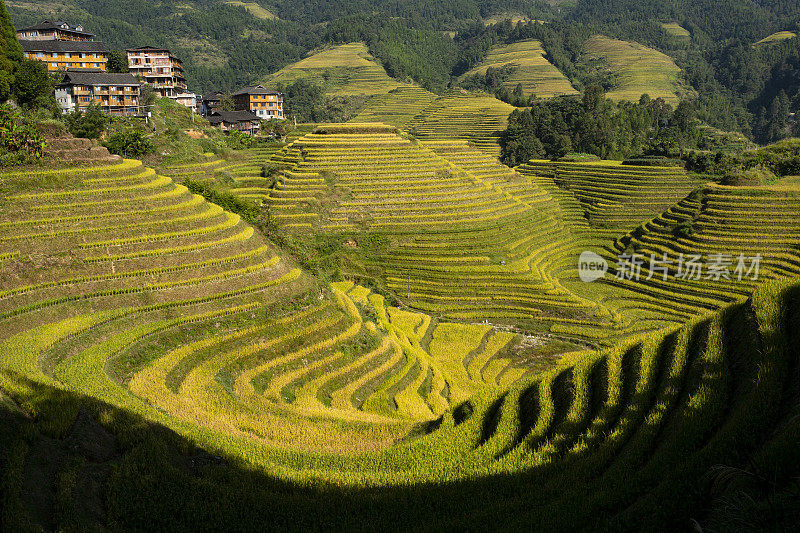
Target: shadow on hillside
(71, 463)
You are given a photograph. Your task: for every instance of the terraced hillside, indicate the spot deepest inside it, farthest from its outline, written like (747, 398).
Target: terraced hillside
(530, 68)
(343, 70)
(777, 37)
(467, 237)
(677, 31)
(463, 236)
(616, 197)
(637, 69)
(119, 263)
(129, 306)
(478, 119)
(398, 107)
(630, 433)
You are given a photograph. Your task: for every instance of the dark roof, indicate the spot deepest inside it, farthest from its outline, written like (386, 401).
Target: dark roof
(231, 116)
(97, 77)
(57, 25)
(148, 49)
(257, 89)
(213, 96)
(63, 46)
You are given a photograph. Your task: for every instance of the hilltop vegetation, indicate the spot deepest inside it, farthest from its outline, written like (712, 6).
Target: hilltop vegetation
(597, 125)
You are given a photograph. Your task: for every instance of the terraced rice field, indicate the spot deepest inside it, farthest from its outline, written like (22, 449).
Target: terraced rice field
(536, 74)
(343, 70)
(144, 258)
(323, 405)
(777, 37)
(254, 9)
(478, 119)
(397, 107)
(615, 197)
(638, 69)
(676, 30)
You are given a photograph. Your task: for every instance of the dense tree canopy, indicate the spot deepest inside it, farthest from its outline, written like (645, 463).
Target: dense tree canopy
(10, 53)
(593, 124)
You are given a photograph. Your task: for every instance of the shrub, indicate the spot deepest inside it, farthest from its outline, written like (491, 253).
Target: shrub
(51, 127)
(782, 158)
(89, 124)
(685, 229)
(20, 142)
(270, 169)
(129, 142)
(759, 175)
(238, 140)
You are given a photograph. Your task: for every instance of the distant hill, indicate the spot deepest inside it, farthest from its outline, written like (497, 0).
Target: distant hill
(241, 41)
(529, 68)
(343, 70)
(637, 69)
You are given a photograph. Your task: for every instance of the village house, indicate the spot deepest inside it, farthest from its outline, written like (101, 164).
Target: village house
(61, 46)
(161, 69)
(54, 31)
(211, 102)
(63, 55)
(263, 102)
(114, 94)
(236, 120)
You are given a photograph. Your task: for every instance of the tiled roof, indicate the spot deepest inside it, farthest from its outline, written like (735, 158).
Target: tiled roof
(97, 77)
(148, 49)
(257, 89)
(58, 25)
(231, 117)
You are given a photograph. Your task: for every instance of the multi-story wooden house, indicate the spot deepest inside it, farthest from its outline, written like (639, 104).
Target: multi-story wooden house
(63, 55)
(160, 68)
(211, 102)
(264, 103)
(236, 120)
(61, 46)
(54, 31)
(115, 94)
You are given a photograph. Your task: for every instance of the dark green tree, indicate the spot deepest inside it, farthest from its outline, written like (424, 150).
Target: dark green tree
(33, 88)
(10, 54)
(117, 61)
(147, 95)
(305, 100)
(226, 103)
(89, 124)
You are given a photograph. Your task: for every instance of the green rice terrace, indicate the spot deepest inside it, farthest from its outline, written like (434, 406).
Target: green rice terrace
(376, 325)
(528, 67)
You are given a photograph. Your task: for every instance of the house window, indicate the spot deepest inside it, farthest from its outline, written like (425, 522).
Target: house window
(39, 54)
(54, 65)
